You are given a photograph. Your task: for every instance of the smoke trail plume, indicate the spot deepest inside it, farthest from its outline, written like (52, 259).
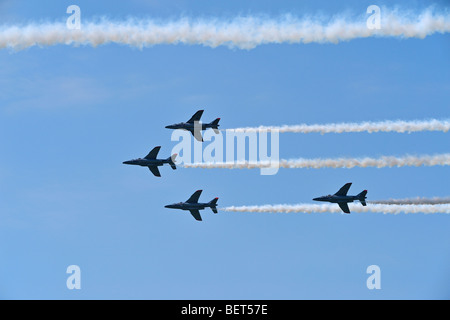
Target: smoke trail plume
(242, 32)
(383, 126)
(334, 208)
(382, 162)
(417, 200)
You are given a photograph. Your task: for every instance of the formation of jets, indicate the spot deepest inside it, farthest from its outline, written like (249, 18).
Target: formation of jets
(192, 205)
(152, 163)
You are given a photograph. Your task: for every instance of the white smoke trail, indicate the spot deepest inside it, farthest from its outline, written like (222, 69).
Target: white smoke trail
(334, 208)
(382, 126)
(384, 161)
(417, 200)
(241, 32)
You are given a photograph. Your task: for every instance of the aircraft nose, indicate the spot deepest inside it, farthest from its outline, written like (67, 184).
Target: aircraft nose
(126, 162)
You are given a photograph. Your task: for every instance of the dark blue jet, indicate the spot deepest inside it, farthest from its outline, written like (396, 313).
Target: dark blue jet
(195, 126)
(194, 206)
(342, 199)
(152, 163)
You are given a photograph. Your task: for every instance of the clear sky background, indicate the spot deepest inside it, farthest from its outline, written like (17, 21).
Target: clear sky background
(69, 117)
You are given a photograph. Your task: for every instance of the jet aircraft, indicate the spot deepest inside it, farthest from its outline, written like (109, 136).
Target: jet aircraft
(342, 199)
(152, 163)
(194, 206)
(195, 126)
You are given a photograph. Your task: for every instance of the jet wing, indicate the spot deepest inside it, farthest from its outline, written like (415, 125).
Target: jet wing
(194, 197)
(196, 117)
(344, 207)
(155, 171)
(197, 135)
(196, 215)
(343, 191)
(152, 154)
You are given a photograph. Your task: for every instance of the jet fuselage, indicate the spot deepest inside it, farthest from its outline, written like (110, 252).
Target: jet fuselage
(147, 162)
(336, 199)
(192, 126)
(188, 206)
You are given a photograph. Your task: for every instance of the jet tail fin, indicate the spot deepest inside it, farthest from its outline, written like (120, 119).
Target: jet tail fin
(213, 204)
(171, 161)
(215, 123)
(362, 197)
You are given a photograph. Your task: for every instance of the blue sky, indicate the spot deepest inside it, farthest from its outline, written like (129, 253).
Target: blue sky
(70, 115)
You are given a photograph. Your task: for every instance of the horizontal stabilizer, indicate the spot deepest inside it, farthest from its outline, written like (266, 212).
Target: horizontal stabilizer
(171, 161)
(213, 204)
